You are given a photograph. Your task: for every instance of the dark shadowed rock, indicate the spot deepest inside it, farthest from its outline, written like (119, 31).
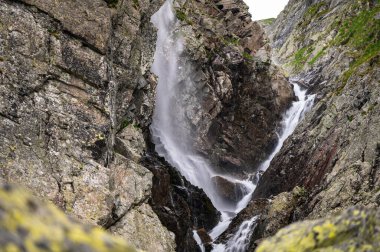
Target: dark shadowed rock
(230, 190)
(180, 206)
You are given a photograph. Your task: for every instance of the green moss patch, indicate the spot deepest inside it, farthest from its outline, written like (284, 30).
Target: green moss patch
(362, 34)
(181, 15)
(301, 57)
(268, 21)
(314, 12)
(317, 56)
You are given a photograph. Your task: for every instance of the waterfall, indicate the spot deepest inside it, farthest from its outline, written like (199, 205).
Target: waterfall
(291, 118)
(171, 129)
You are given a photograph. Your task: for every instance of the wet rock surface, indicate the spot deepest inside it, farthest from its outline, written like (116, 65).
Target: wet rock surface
(180, 206)
(272, 214)
(230, 190)
(238, 96)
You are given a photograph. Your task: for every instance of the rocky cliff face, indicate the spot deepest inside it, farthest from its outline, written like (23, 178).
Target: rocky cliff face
(338, 142)
(238, 96)
(75, 94)
(332, 48)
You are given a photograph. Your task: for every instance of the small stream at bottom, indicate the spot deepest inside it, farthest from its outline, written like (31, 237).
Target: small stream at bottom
(173, 141)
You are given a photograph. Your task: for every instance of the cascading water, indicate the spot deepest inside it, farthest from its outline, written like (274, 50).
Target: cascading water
(171, 129)
(240, 241)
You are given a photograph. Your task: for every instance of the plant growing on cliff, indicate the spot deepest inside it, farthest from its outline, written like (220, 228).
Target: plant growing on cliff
(301, 57)
(180, 15)
(268, 21)
(361, 33)
(314, 12)
(317, 56)
(231, 40)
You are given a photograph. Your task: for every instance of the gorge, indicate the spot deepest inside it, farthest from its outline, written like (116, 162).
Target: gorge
(184, 125)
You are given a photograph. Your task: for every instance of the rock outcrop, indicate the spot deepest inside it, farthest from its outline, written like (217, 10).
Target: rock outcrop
(334, 153)
(76, 96)
(27, 224)
(76, 100)
(271, 215)
(331, 48)
(237, 98)
(357, 229)
(181, 207)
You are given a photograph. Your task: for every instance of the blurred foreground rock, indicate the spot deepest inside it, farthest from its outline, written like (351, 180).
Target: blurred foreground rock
(356, 229)
(27, 224)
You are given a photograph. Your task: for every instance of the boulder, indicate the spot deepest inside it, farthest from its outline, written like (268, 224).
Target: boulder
(230, 190)
(356, 229)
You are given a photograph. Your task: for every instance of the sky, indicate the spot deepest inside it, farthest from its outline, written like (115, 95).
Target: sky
(263, 9)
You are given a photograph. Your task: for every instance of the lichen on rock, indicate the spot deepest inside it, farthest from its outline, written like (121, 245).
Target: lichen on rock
(27, 224)
(356, 229)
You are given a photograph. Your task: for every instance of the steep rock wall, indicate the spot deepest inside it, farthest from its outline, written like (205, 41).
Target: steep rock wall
(75, 83)
(339, 138)
(238, 95)
(76, 100)
(332, 48)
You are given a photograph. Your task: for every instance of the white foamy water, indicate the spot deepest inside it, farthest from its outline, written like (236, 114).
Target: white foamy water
(240, 241)
(291, 119)
(171, 129)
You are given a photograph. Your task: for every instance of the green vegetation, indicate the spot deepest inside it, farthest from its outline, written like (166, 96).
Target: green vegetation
(125, 123)
(54, 32)
(301, 57)
(315, 11)
(362, 34)
(247, 56)
(317, 56)
(231, 40)
(136, 3)
(268, 21)
(181, 15)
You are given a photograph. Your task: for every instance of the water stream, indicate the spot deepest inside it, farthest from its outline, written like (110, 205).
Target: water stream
(291, 118)
(171, 129)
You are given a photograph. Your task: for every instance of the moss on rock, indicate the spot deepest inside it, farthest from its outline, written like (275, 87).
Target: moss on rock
(27, 224)
(356, 229)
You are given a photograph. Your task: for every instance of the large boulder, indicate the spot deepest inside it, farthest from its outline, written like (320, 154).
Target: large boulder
(230, 190)
(27, 224)
(356, 229)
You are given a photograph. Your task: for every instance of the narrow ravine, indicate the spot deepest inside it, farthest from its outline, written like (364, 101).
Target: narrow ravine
(240, 241)
(172, 136)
